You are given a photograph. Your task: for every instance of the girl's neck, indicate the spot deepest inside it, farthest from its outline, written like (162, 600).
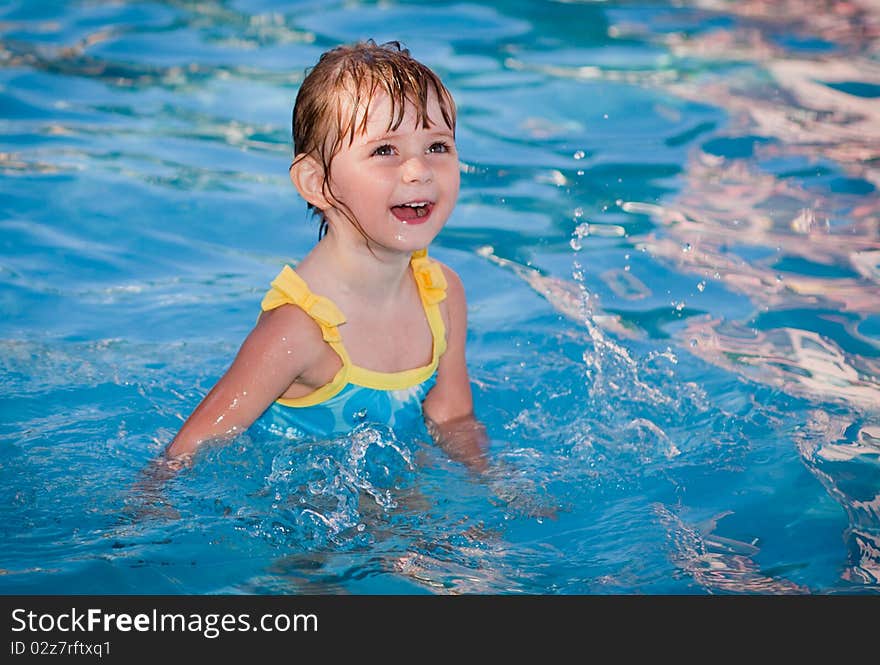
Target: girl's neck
(374, 276)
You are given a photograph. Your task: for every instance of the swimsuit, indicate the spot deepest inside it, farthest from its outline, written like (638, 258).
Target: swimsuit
(356, 395)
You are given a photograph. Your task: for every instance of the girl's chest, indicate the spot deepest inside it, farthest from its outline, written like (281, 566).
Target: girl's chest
(393, 342)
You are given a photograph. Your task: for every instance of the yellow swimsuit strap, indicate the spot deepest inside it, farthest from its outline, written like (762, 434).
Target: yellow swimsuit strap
(289, 288)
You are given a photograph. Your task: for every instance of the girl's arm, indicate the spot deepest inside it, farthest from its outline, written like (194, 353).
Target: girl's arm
(449, 407)
(270, 359)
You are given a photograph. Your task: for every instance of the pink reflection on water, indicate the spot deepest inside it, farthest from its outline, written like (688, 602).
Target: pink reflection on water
(806, 107)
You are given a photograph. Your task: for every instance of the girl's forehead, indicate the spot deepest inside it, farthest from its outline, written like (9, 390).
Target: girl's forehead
(378, 113)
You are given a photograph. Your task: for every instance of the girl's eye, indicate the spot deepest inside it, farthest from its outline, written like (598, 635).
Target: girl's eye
(440, 146)
(384, 150)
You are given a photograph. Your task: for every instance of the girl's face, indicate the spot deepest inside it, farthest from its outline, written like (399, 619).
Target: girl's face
(401, 185)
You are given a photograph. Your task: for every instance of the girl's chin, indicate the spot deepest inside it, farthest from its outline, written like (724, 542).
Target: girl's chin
(408, 238)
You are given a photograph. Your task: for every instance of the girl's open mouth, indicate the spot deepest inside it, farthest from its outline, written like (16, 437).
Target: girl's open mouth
(413, 213)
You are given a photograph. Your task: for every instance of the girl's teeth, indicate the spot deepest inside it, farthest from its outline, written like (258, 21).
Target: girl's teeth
(406, 211)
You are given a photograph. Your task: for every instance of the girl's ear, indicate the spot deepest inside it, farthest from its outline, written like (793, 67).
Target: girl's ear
(307, 176)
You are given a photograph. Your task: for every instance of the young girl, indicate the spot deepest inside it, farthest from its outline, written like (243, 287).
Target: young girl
(368, 328)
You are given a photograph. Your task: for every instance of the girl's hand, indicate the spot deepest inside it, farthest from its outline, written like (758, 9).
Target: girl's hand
(463, 439)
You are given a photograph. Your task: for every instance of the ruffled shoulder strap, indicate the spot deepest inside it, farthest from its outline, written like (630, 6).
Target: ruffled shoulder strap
(432, 288)
(429, 277)
(290, 288)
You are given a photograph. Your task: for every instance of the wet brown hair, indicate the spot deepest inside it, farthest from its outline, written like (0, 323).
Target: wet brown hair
(341, 86)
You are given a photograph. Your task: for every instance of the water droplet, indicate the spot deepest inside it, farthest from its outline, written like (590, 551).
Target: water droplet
(575, 244)
(693, 342)
(605, 116)
(701, 285)
(580, 154)
(686, 247)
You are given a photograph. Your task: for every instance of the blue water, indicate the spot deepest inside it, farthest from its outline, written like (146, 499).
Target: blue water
(668, 232)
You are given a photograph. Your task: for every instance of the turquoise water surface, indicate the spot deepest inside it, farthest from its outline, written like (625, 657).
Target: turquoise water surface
(669, 232)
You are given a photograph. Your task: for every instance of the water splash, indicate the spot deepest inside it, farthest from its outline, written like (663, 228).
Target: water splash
(329, 493)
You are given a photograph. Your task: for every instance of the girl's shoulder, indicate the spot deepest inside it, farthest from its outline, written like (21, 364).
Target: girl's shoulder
(454, 286)
(453, 307)
(297, 318)
(290, 329)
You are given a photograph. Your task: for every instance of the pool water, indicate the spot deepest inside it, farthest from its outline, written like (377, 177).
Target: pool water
(668, 233)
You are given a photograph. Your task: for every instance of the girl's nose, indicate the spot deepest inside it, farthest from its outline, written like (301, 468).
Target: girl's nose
(417, 169)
